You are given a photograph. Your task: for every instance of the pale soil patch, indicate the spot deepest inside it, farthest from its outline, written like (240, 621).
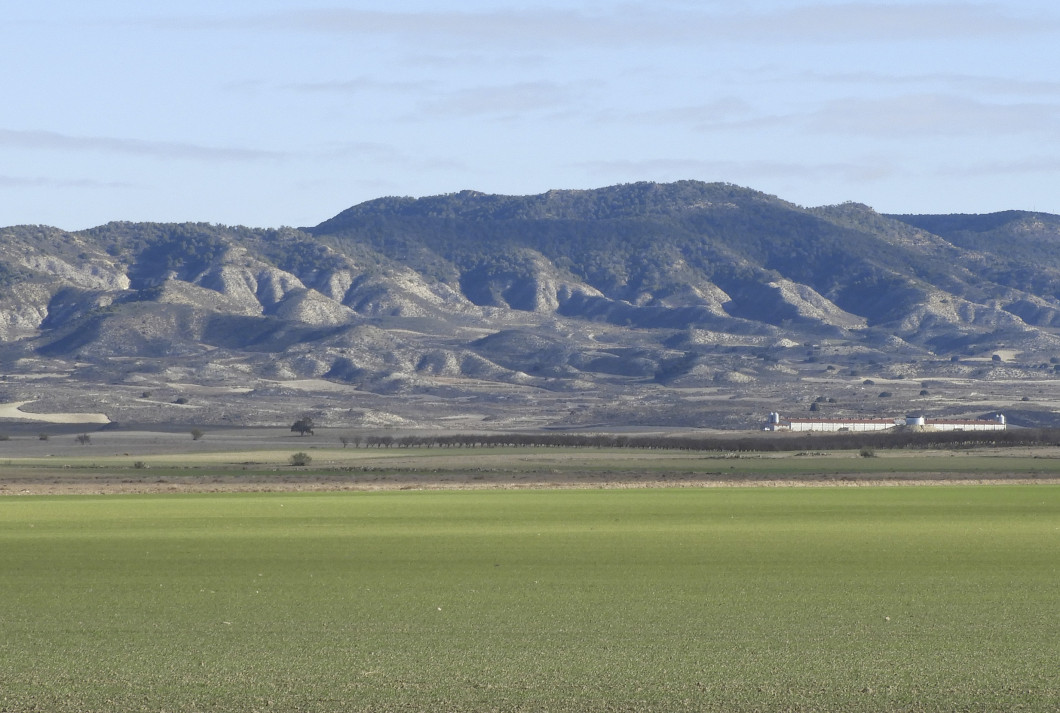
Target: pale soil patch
(1005, 354)
(201, 389)
(313, 385)
(14, 410)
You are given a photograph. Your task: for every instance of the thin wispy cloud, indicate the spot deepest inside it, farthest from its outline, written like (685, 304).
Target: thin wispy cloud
(730, 108)
(1020, 166)
(54, 141)
(359, 85)
(726, 114)
(856, 21)
(505, 27)
(520, 98)
(996, 85)
(379, 154)
(648, 23)
(470, 61)
(45, 182)
(670, 169)
(904, 116)
(365, 151)
(915, 115)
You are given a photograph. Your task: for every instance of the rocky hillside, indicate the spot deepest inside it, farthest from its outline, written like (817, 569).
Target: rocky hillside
(626, 305)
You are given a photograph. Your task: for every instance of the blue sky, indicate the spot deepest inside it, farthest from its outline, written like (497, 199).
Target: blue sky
(278, 112)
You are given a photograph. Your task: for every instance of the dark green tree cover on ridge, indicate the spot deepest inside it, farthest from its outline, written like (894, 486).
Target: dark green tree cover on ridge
(676, 254)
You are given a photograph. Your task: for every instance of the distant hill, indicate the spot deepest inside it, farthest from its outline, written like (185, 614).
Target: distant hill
(623, 290)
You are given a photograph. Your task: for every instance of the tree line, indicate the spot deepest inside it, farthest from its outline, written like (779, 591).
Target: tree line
(757, 443)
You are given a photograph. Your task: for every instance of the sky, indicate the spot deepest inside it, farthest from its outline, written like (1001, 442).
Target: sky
(272, 113)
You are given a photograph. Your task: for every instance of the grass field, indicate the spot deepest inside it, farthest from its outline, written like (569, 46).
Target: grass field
(852, 599)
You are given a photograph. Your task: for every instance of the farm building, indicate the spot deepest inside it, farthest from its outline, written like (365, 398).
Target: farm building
(778, 423)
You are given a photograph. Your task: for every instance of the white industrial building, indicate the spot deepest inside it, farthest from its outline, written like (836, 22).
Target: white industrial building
(778, 423)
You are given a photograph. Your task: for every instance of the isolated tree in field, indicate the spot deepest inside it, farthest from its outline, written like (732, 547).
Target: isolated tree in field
(303, 426)
(84, 439)
(197, 433)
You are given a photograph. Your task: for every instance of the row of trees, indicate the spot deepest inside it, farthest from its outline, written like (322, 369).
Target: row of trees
(759, 443)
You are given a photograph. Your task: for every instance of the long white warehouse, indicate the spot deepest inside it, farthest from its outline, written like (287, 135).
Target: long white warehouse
(778, 423)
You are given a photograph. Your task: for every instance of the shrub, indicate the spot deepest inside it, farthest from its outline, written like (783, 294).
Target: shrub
(885, 394)
(180, 400)
(867, 452)
(301, 458)
(197, 433)
(43, 436)
(139, 465)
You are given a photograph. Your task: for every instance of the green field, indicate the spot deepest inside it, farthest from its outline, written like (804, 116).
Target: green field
(758, 599)
(356, 465)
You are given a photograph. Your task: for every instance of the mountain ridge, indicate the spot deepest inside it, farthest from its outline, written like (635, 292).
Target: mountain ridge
(619, 296)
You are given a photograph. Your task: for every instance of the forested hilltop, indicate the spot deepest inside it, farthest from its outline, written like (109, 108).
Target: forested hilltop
(632, 305)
